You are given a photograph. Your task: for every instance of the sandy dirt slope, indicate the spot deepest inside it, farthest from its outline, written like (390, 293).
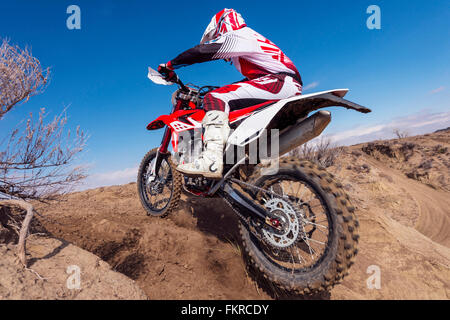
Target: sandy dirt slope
(403, 207)
(191, 254)
(405, 227)
(418, 167)
(48, 277)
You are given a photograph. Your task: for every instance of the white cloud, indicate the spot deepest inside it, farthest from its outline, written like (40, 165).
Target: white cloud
(109, 178)
(441, 88)
(358, 132)
(418, 123)
(311, 86)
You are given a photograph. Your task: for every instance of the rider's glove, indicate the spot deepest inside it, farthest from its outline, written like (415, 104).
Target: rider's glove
(167, 72)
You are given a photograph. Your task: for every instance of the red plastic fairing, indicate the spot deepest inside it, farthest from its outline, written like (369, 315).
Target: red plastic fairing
(238, 114)
(192, 105)
(166, 119)
(198, 114)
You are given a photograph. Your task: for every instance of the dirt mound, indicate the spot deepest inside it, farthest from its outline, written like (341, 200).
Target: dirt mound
(54, 267)
(48, 274)
(194, 253)
(405, 223)
(423, 158)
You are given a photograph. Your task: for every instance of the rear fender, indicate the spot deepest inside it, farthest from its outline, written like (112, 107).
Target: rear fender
(287, 112)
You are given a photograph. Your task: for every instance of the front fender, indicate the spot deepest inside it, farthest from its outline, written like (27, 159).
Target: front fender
(159, 122)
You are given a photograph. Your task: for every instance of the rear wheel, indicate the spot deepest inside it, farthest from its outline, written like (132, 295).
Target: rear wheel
(316, 240)
(159, 194)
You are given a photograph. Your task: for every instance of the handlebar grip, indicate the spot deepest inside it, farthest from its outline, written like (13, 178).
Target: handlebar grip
(164, 70)
(171, 76)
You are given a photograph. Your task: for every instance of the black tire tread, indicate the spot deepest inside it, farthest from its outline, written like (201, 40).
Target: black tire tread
(347, 232)
(177, 186)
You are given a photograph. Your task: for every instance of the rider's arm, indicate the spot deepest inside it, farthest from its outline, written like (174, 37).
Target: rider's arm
(225, 47)
(201, 53)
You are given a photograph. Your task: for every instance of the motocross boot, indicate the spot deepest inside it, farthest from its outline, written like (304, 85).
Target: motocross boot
(210, 162)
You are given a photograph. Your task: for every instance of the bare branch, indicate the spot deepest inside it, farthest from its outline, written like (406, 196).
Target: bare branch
(400, 134)
(21, 246)
(36, 161)
(323, 152)
(21, 76)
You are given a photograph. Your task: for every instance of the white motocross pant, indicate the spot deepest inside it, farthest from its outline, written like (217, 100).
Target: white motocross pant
(249, 93)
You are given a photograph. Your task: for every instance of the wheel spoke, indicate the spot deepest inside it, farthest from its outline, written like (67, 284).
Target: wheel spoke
(313, 240)
(301, 194)
(294, 248)
(155, 190)
(311, 250)
(315, 224)
(298, 255)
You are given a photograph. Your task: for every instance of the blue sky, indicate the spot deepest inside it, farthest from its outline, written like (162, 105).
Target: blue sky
(400, 71)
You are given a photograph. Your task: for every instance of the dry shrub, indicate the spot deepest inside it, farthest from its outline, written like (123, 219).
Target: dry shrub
(21, 76)
(400, 134)
(36, 158)
(323, 152)
(439, 149)
(372, 148)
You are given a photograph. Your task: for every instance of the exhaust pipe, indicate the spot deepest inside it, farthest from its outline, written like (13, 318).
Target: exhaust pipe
(303, 131)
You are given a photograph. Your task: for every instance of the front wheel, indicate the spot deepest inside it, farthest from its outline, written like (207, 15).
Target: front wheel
(316, 242)
(159, 194)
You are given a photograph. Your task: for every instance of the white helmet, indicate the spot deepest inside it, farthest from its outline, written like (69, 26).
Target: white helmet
(221, 23)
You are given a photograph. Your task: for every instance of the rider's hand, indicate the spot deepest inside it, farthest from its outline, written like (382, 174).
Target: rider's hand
(167, 72)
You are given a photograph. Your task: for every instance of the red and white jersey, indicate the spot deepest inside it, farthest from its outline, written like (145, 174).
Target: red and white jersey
(252, 54)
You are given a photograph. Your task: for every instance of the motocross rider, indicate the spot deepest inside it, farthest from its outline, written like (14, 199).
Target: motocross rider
(270, 75)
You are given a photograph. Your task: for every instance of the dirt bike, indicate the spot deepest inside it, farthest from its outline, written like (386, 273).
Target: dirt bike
(296, 223)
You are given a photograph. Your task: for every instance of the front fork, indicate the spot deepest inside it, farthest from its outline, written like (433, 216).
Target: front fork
(163, 150)
(160, 154)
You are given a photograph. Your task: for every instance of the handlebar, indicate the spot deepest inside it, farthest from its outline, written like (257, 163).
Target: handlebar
(160, 77)
(180, 83)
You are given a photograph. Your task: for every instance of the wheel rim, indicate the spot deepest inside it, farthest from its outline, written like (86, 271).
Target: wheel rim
(157, 193)
(304, 242)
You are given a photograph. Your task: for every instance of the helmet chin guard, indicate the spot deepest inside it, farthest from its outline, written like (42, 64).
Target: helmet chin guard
(221, 23)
